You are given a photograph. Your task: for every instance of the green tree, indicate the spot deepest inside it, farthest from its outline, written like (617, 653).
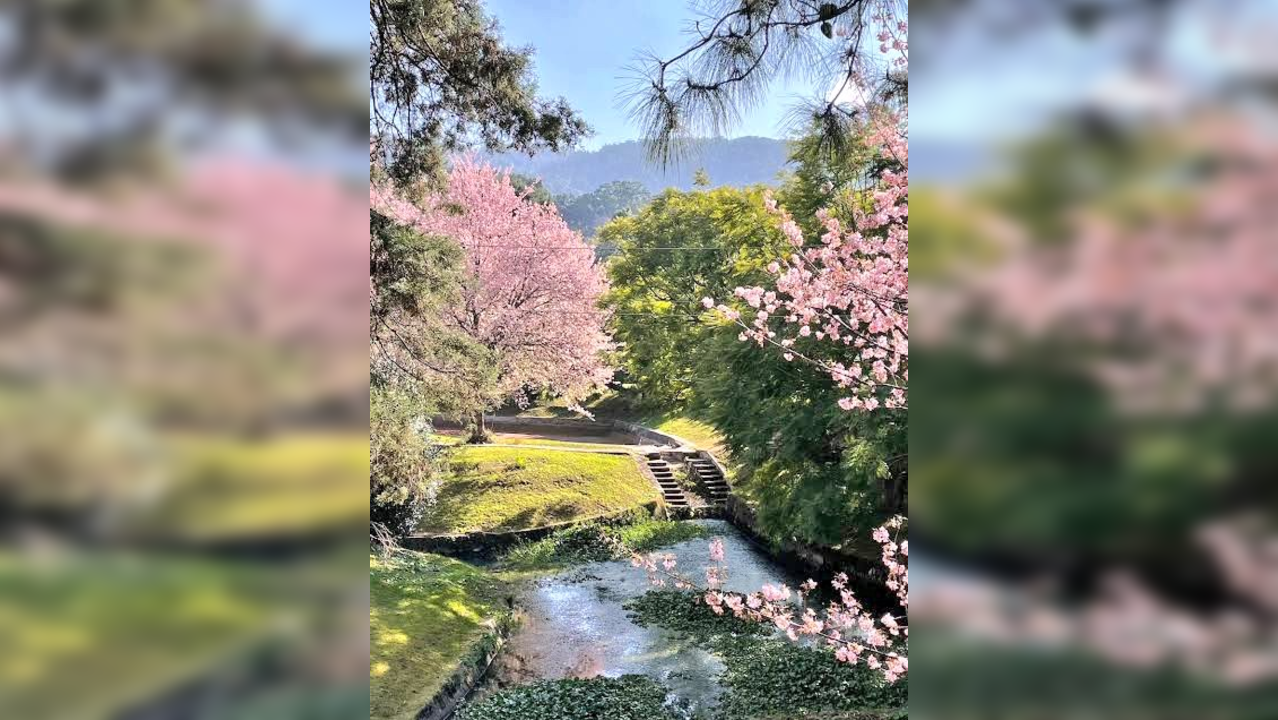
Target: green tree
(585, 213)
(811, 470)
(537, 192)
(443, 80)
(726, 239)
(417, 365)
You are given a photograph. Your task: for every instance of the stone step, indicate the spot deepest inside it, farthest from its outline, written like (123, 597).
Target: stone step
(661, 473)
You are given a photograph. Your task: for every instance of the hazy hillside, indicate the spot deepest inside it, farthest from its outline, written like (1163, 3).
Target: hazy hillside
(740, 161)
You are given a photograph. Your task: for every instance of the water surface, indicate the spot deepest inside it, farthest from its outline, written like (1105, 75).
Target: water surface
(575, 624)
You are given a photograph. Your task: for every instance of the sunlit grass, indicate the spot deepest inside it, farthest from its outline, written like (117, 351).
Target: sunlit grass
(500, 439)
(504, 489)
(427, 615)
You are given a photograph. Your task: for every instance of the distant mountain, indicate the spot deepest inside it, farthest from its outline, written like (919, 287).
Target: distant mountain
(739, 161)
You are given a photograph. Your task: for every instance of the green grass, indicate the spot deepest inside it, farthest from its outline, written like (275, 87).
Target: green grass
(702, 435)
(228, 488)
(570, 444)
(86, 636)
(499, 489)
(427, 615)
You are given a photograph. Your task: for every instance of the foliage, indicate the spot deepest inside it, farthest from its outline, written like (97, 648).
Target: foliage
(528, 300)
(585, 213)
(403, 462)
(844, 303)
(534, 191)
(656, 293)
(443, 80)
(739, 48)
(812, 471)
(418, 365)
(682, 611)
(764, 677)
(629, 697)
(821, 176)
(428, 614)
(415, 357)
(498, 489)
(592, 542)
(843, 624)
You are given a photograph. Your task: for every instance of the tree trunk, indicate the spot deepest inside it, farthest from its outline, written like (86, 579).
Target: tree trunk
(479, 433)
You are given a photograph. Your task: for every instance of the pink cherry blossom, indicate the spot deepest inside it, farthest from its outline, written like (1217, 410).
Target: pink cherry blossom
(852, 633)
(852, 286)
(533, 298)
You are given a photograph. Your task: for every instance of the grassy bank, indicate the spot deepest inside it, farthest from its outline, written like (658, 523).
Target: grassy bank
(498, 489)
(700, 434)
(427, 615)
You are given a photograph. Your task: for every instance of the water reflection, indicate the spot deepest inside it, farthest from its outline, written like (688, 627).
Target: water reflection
(575, 624)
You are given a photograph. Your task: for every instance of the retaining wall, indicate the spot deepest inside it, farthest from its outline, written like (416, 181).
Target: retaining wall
(483, 544)
(471, 672)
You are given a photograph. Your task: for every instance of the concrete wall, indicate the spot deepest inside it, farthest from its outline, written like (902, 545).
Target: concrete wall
(486, 544)
(469, 675)
(648, 435)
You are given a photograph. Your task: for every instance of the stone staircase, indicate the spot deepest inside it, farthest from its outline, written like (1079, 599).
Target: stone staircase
(670, 490)
(709, 480)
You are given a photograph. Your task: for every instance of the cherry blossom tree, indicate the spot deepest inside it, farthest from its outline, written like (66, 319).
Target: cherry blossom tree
(532, 288)
(844, 625)
(843, 303)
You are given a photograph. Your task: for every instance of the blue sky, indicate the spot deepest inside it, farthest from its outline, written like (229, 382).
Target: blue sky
(583, 47)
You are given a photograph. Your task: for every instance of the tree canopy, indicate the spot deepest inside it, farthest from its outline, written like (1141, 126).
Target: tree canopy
(442, 80)
(738, 48)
